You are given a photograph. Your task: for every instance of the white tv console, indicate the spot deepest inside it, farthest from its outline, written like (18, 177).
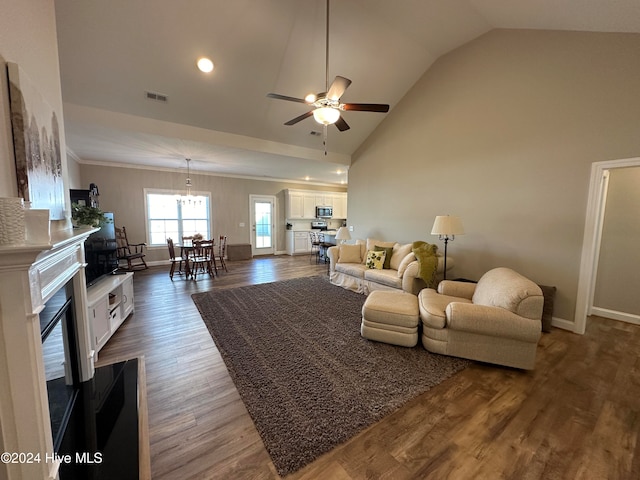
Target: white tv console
(110, 302)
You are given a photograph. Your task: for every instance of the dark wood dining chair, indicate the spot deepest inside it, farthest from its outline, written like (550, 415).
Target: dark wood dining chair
(174, 260)
(219, 257)
(201, 258)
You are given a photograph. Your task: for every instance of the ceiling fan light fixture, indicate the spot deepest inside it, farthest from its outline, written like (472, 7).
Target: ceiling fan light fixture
(205, 65)
(310, 98)
(326, 115)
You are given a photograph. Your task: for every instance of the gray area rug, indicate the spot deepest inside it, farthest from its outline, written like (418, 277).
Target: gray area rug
(307, 377)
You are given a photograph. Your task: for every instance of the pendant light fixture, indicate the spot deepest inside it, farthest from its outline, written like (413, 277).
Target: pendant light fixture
(188, 198)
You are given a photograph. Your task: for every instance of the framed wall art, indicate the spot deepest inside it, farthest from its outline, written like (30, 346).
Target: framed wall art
(36, 142)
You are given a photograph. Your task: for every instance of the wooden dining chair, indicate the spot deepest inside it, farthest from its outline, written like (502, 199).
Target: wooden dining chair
(201, 258)
(222, 248)
(174, 260)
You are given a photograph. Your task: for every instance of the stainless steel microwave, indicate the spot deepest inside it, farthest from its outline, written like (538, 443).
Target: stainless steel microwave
(324, 212)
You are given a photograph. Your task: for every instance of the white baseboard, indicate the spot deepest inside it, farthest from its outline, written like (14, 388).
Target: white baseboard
(564, 324)
(615, 315)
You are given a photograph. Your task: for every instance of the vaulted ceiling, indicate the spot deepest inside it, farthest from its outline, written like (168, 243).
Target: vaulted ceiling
(113, 52)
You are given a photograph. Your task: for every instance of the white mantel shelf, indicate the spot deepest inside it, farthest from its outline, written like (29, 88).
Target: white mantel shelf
(15, 255)
(30, 274)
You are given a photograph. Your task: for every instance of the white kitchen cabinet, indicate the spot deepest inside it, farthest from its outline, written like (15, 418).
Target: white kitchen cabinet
(294, 205)
(309, 202)
(340, 206)
(324, 200)
(301, 204)
(298, 242)
(110, 302)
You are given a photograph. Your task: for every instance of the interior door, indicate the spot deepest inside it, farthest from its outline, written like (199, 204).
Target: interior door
(262, 224)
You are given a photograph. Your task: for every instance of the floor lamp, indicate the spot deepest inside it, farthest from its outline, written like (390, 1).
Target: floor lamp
(447, 227)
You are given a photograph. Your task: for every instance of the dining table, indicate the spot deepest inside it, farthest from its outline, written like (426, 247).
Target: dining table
(187, 249)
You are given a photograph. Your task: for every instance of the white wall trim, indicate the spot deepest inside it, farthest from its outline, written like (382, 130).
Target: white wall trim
(592, 227)
(614, 314)
(562, 323)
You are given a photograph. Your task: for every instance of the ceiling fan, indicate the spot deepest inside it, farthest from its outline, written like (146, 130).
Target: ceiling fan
(327, 106)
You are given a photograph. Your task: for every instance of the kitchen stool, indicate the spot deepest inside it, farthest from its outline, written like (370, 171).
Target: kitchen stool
(391, 317)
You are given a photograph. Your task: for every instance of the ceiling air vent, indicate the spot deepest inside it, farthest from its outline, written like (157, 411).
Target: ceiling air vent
(159, 97)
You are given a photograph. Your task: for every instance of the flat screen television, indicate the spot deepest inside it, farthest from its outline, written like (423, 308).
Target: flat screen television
(100, 250)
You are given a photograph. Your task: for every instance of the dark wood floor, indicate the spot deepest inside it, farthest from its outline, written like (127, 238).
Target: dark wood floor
(576, 416)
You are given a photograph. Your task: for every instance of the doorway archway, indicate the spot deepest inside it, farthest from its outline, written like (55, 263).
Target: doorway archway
(591, 240)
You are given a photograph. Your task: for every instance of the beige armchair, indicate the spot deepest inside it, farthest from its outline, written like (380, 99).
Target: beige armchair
(497, 320)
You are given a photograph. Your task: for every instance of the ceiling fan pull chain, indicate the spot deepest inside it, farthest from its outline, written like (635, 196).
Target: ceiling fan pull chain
(324, 140)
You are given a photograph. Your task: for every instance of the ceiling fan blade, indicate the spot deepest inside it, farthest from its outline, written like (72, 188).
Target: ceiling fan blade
(365, 107)
(337, 88)
(342, 125)
(299, 118)
(284, 97)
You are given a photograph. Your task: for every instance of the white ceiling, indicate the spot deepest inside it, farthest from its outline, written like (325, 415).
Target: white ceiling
(112, 52)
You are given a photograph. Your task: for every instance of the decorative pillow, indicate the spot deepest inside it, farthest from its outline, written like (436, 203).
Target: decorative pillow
(371, 243)
(399, 252)
(549, 294)
(349, 254)
(410, 257)
(427, 260)
(375, 259)
(388, 251)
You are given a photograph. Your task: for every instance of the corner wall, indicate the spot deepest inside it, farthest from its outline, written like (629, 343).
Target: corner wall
(502, 132)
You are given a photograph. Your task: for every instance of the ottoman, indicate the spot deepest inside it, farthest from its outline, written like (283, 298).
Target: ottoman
(391, 317)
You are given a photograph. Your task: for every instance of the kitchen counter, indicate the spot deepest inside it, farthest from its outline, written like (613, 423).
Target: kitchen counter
(330, 236)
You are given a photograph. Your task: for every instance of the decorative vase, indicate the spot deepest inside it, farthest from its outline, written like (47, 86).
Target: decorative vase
(12, 225)
(37, 226)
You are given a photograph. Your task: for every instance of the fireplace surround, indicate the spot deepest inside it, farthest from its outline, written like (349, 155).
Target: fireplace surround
(30, 276)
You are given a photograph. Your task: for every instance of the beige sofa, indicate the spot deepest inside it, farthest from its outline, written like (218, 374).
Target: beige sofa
(497, 320)
(347, 268)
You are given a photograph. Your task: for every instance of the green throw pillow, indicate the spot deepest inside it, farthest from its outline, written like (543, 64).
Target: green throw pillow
(375, 259)
(427, 261)
(388, 252)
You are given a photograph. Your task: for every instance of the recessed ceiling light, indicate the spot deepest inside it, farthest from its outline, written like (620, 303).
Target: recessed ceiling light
(307, 178)
(205, 65)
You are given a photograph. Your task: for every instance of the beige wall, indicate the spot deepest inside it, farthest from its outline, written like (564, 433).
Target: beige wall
(73, 173)
(122, 191)
(28, 38)
(618, 282)
(502, 132)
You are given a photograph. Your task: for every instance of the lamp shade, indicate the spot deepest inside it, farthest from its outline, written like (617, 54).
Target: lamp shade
(447, 225)
(343, 234)
(326, 115)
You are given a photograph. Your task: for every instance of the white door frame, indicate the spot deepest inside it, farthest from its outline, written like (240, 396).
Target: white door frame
(262, 251)
(592, 235)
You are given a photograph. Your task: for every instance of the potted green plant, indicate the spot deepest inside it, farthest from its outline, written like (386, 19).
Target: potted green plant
(86, 215)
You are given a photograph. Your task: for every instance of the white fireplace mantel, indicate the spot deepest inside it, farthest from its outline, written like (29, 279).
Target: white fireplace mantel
(29, 276)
